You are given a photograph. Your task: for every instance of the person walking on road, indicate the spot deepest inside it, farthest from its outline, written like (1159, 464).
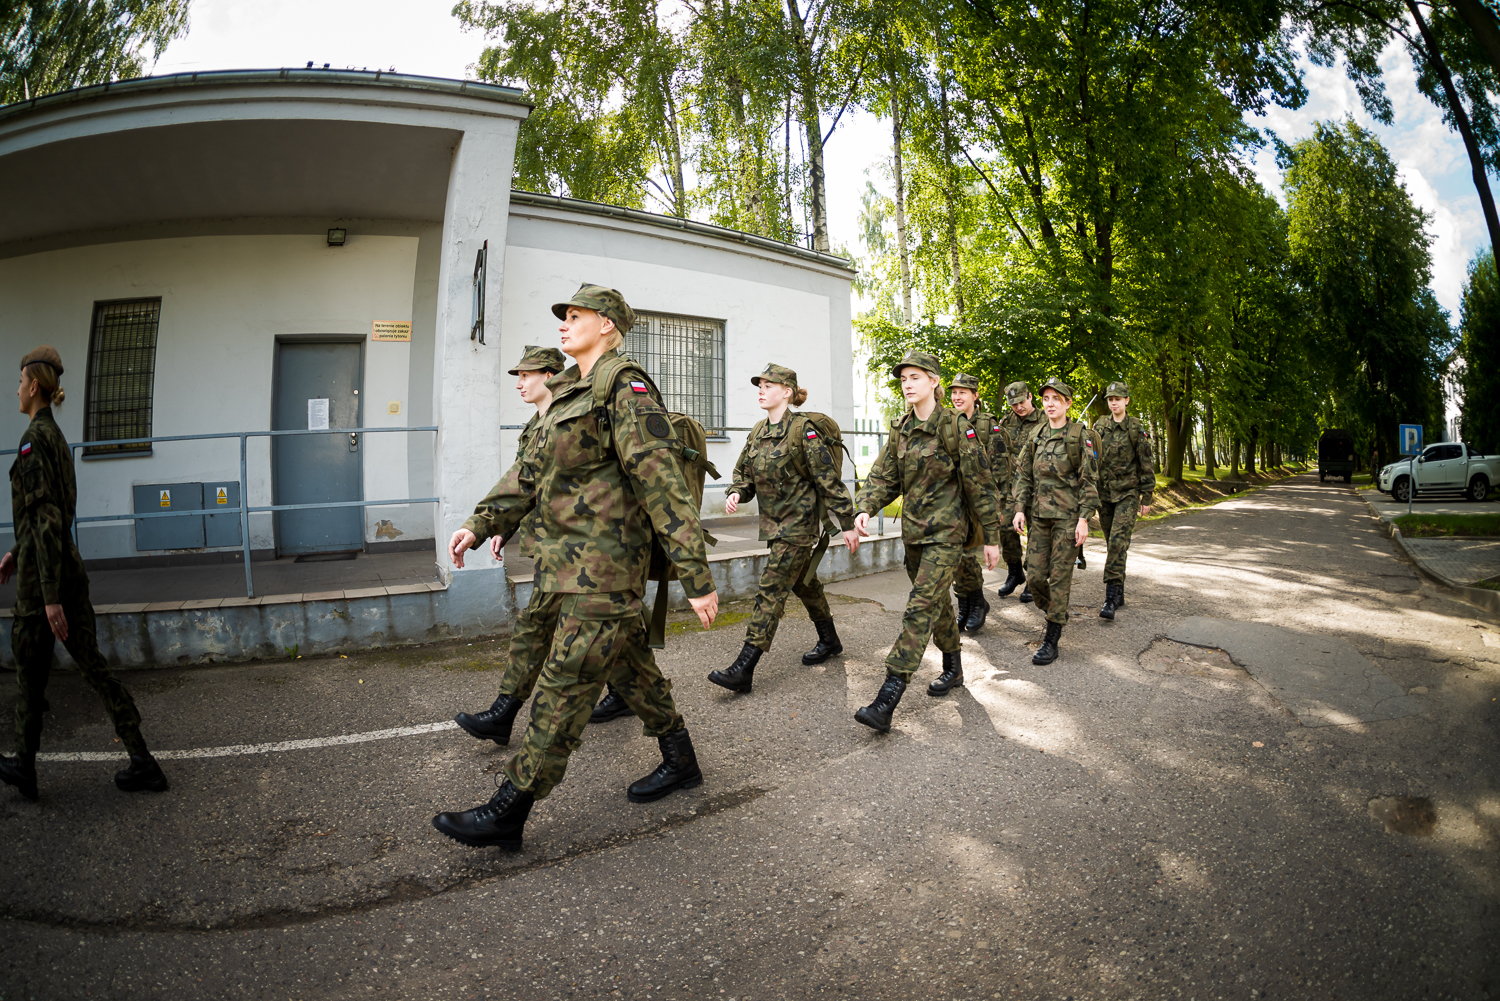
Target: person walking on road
(932, 461)
(1020, 425)
(608, 479)
(968, 582)
(52, 589)
(787, 464)
(1127, 481)
(1057, 484)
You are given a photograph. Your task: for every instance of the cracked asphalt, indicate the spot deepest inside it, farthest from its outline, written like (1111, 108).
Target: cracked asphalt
(1140, 819)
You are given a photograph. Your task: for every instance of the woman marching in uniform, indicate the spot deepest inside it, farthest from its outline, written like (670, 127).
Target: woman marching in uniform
(52, 594)
(932, 461)
(788, 466)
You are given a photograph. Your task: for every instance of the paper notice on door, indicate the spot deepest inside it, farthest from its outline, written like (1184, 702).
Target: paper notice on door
(317, 415)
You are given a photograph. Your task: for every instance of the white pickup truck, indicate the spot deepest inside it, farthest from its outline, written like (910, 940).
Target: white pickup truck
(1447, 467)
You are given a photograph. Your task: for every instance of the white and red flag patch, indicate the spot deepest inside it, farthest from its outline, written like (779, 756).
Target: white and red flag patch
(639, 387)
(811, 434)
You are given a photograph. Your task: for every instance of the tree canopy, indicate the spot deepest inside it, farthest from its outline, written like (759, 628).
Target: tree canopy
(53, 45)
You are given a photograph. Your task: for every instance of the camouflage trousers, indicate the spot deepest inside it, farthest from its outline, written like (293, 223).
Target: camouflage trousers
(1050, 552)
(781, 578)
(598, 638)
(32, 642)
(969, 577)
(929, 607)
(1118, 521)
(1010, 542)
(529, 643)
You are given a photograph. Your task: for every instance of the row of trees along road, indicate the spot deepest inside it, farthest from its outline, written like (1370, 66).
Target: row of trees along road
(1071, 190)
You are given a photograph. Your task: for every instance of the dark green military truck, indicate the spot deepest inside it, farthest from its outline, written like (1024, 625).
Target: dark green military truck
(1336, 455)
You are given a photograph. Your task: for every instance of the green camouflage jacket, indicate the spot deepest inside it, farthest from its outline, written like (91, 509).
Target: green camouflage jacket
(992, 439)
(1125, 461)
(526, 449)
(936, 492)
(1126, 464)
(43, 501)
(771, 467)
(600, 480)
(1048, 486)
(1018, 431)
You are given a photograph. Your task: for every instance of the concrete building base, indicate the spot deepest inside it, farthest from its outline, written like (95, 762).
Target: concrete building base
(478, 602)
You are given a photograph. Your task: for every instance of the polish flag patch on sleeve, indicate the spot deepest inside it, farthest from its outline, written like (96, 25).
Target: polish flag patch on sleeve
(26, 449)
(811, 434)
(639, 387)
(970, 433)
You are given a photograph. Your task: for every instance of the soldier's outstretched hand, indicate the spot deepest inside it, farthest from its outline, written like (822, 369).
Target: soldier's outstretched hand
(731, 503)
(58, 621)
(497, 548)
(862, 523)
(851, 540)
(7, 567)
(462, 541)
(1145, 510)
(1019, 521)
(707, 608)
(991, 557)
(1081, 533)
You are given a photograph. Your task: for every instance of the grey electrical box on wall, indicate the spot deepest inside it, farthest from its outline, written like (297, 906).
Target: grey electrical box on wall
(169, 533)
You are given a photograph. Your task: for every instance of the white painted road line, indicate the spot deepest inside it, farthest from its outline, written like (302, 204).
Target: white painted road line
(233, 750)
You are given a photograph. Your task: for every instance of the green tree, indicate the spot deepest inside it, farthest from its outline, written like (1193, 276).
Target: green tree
(1360, 250)
(53, 45)
(1479, 347)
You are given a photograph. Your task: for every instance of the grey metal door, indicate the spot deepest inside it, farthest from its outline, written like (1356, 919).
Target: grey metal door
(315, 469)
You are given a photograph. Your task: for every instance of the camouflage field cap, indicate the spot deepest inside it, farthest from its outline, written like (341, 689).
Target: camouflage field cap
(918, 359)
(539, 359)
(1016, 393)
(964, 380)
(605, 301)
(1117, 389)
(46, 354)
(779, 374)
(1057, 385)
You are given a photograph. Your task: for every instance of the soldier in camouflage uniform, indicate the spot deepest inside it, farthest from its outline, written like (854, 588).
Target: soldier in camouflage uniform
(968, 582)
(52, 593)
(1020, 425)
(934, 462)
(603, 481)
(1057, 493)
(531, 637)
(787, 465)
(1127, 481)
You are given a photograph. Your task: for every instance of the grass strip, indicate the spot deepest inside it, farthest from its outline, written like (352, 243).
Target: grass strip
(1427, 526)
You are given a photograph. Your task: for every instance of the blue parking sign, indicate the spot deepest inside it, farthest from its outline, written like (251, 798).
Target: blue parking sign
(1411, 439)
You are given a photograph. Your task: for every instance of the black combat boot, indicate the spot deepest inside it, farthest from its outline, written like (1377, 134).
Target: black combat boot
(496, 824)
(143, 775)
(1120, 595)
(495, 723)
(1047, 652)
(1080, 563)
(1016, 579)
(952, 676)
(828, 644)
(737, 676)
(20, 773)
(678, 770)
(1108, 611)
(978, 609)
(964, 601)
(1026, 597)
(877, 715)
(612, 706)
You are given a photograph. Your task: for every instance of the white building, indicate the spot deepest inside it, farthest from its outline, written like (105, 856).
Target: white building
(211, 252)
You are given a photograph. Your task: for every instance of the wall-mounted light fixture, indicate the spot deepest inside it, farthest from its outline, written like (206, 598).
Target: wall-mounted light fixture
(476, 310)
(336, 237)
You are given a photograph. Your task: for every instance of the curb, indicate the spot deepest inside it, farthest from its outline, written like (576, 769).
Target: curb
(1486, 599)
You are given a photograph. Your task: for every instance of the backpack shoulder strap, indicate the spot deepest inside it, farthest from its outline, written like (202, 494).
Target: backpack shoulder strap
(607, 372)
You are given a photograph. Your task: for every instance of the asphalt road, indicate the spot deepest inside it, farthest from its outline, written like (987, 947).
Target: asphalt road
(1142, 819)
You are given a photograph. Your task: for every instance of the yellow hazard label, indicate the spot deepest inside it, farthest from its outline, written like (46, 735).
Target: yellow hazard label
(166, 498)
(223, 495)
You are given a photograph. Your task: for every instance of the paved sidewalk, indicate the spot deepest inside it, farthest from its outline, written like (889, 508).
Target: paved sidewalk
(1462, 561)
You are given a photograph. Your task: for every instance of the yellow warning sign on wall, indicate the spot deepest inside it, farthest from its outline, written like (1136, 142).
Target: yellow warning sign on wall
(390, 330)
(166, 498)
(223, 495)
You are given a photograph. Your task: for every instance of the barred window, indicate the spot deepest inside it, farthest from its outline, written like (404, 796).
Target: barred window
(685, 356)
(121, 375)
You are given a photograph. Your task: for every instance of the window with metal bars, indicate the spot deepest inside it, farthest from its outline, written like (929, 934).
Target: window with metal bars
(121, 375)
(685, 357)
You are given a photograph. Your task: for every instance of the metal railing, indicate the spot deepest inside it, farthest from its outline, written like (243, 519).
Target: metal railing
(852, 482)
(244, 510)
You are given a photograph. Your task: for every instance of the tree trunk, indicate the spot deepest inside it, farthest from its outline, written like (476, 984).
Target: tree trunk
(1250, 447)
(1484, 25)
(948, 185)
(1465, 129)
(1234, 458)
(1208, 435)
(1192, 449)
(901, 246)
(812, 128)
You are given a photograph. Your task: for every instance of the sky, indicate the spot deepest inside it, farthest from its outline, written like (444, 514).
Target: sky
(423, 37)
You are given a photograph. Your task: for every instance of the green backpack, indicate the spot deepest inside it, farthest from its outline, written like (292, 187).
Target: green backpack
(1074, 442)
(833, 436)
(690, 448)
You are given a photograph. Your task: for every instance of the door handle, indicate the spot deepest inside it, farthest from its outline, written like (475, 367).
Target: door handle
(354, 443)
